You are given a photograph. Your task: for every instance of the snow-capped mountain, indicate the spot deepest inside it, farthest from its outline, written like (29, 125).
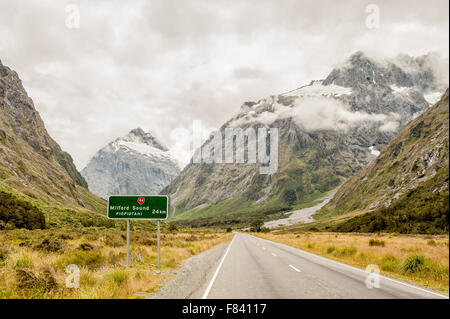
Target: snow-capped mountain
(136, 163)
(328, 129)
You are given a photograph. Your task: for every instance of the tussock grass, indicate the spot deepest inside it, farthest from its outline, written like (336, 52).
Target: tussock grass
(408, 257)
(37, 269)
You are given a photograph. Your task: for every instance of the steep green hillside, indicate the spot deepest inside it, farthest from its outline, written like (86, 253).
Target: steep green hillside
(36, 176)
(406, 187)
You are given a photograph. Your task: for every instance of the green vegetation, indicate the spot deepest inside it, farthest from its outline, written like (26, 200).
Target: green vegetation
(420, 211)
(16, 213)
(256, 225)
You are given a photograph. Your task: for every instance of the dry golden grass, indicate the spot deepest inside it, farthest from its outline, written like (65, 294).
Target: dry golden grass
(33, 263)
(419, 259)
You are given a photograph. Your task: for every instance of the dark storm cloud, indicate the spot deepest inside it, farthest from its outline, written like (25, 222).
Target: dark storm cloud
(162, 64)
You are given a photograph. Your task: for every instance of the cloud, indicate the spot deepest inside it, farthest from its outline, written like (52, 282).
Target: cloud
(320, 113)
(161, 64)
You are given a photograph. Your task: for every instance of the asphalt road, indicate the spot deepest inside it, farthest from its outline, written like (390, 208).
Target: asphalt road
(256, 268)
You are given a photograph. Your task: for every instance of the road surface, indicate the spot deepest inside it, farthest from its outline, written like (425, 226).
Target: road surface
(252, 267)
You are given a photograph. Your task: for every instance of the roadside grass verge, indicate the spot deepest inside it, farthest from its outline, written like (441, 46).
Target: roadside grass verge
(33, 263)
(419, 259)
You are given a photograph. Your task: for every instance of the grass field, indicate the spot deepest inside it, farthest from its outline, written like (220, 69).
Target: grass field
(418, 259)
(33, 263)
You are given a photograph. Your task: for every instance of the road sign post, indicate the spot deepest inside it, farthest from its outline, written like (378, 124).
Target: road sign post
(128, 243)
(158, 271)
(139, 207)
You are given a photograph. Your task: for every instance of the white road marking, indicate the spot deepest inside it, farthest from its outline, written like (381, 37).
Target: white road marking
(355, 268)
(208, 289)
(274, 255)
(297, 270)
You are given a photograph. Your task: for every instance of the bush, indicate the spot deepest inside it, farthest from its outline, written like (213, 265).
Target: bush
(23, 262)
(118, 276)
(413, 264)
(86, 246)
(256, 225)
(330, 249)
(345, 251)
(172, 228)
(432, 242)
(289, 196)
(389, 263)
(265, 230)
(16, 213)
(90, 259)
(50, 245)
(229, 230)
(375, 242)
(27, 279)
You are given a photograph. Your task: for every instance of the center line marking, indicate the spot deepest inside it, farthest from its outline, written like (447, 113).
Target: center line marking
(274, 255)
(297, 270)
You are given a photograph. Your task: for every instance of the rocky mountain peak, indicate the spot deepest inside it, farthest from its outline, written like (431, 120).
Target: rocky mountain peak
(136, 163)
(422, 73)
(138, 135)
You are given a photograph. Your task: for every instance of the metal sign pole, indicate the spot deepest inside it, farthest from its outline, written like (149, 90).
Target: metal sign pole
(158, 271)
(128, 243)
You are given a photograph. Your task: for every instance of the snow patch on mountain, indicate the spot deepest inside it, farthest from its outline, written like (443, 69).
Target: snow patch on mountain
(374, 151)
(136, 163)
(433, 97)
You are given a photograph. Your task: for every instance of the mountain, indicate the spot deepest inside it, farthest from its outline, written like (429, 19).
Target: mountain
(406, 188)
(33, 168)
(328, 131)
(134, 164)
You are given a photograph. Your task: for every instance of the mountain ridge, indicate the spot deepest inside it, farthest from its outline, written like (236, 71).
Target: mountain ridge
(315, 152)
(136, 163)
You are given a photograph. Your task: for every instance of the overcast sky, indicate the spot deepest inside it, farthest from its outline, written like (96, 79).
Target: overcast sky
(160, 65)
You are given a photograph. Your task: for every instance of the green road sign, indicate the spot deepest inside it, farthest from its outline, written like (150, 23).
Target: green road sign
(138, 207)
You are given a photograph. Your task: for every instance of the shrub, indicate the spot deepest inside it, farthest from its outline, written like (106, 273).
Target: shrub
(23, 262)
(27, 279)
(413, 264)
(118, 276)
(91, 259)
(256, 225)
(265, 230)
(229, 230)
(50, 245)
(310, 245)
(345, 251)
(376, 242)
(86, 246)
(330, 249)
(432, 242)
(16, 213)
(3, 253)
(172, 228)
(389, 263)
